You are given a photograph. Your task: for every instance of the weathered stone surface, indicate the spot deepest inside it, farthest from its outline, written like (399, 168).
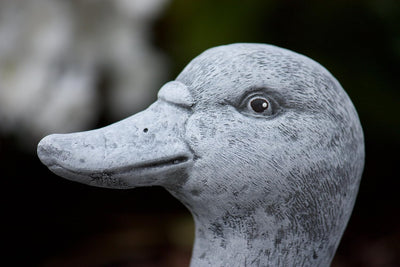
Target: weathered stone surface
(261, 144)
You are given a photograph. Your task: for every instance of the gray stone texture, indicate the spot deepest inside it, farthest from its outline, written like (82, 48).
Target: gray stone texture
(273, 186)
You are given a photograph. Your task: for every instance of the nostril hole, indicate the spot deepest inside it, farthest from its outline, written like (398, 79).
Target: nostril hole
(145, 130)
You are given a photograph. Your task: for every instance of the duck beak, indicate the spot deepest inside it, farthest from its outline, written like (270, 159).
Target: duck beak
(143, 150)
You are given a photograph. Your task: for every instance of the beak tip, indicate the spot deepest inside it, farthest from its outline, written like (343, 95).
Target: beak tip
(46, 151)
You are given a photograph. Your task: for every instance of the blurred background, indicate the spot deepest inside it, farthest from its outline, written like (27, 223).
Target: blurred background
(74, 65)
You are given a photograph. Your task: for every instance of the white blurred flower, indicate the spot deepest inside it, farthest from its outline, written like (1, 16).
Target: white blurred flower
(53, 53)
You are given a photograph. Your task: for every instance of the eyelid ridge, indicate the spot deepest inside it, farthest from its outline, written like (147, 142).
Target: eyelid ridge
(272, 97)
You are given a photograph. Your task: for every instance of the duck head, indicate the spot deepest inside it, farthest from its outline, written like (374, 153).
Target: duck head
(261, 144)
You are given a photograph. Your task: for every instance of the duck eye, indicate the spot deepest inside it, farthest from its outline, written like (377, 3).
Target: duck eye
(259, 104)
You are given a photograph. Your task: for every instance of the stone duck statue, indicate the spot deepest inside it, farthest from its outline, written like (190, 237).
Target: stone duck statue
(261, 144)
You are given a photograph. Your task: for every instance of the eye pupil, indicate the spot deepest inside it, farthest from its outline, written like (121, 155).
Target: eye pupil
(259, 105)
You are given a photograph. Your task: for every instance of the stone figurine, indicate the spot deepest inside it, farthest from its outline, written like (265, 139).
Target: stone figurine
(261, 144)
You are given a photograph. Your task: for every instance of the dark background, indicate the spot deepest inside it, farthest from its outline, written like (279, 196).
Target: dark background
(49, 221)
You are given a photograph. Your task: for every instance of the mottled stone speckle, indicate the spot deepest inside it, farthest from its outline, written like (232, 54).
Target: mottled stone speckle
(271, 188)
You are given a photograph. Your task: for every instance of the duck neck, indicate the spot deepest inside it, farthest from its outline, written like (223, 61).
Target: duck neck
(254, 240)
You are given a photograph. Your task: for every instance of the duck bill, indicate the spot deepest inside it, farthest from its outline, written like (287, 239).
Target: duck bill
(143, 150)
